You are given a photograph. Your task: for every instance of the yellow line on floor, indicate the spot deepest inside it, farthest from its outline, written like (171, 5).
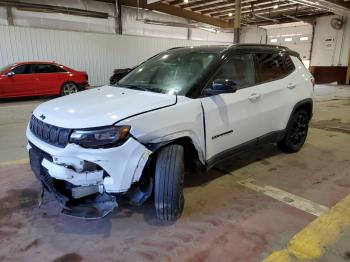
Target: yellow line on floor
(286, 197)
(311, 242)
(14, 162)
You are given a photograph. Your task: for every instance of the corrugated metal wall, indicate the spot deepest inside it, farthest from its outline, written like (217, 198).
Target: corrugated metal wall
(97, 54)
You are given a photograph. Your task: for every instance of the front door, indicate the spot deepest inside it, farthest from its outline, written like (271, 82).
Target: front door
(23, 82)
(230, 119)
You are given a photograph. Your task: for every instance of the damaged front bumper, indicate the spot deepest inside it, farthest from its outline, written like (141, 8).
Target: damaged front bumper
(84, 180)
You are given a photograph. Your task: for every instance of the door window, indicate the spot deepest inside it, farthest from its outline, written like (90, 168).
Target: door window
(272, 66)
(24, 69)
(239, 69)
(20, 70)
(47, 68)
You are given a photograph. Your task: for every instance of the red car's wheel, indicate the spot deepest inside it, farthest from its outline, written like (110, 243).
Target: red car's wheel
(69, 88)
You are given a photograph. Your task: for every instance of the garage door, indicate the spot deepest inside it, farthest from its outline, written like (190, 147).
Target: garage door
(296, 36)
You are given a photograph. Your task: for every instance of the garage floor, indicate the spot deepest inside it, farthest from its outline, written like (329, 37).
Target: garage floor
(242, 210)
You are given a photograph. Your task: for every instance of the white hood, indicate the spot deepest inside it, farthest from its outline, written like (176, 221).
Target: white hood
(100, 107)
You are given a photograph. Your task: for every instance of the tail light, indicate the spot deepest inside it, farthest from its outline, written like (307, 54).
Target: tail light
(313, 81)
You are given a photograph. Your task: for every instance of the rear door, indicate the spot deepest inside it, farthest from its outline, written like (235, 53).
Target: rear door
(230, 119)
(276, 88)
(23, 81)
(50, 78)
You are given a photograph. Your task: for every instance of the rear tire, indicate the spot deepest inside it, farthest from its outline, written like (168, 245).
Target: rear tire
(296, 132)
(169, 177)
(69, 88)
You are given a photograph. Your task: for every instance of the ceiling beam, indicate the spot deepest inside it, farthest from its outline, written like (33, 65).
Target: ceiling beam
(247, 9)
(340, 2)
(177, 11)
(304, 17)
(192, 4)
(53, 9)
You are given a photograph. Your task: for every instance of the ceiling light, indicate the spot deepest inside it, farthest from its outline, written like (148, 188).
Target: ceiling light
(275, 6)
(230, 14)
(185, 1)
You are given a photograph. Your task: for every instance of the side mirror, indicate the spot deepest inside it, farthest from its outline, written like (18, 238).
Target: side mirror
(221, 86)
(10, 74)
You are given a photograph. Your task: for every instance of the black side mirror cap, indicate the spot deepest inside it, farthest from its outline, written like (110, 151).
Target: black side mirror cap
(220, 86)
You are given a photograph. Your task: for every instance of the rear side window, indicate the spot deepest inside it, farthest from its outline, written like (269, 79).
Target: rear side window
(288, 65)
(269, 66)
(47, 68)
(239, 69)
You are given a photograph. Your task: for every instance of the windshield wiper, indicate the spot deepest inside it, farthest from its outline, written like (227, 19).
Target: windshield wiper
(136, 87)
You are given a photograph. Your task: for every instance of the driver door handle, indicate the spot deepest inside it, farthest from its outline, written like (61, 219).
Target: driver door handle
(253, 97)
(291, 85)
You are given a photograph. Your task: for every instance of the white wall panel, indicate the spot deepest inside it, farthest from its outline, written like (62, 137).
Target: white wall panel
(331, 47)
(253, 35)
(3, 16)
(97, 54)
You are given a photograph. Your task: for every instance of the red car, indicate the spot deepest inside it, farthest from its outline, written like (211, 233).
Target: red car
(40, 78)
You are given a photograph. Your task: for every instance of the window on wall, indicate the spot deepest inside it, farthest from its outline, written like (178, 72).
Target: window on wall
(239, 69)
(269, 66)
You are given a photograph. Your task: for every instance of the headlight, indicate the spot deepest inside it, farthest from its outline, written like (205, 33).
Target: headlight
(101, 137)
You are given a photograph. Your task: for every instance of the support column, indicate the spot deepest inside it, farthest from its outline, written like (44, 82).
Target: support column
(348, 72)
(9, 15)
(189, 30)
(237, 23)
(118, 18)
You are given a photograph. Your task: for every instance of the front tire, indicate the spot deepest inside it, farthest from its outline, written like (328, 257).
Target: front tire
(296, 132)
(69, 88)
(169, 177)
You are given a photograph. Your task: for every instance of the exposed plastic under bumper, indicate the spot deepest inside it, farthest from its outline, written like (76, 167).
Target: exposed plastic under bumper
(119, 166)
(92, 207)
(72, 174)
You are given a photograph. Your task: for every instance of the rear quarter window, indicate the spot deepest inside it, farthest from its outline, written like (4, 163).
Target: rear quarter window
(272, 66)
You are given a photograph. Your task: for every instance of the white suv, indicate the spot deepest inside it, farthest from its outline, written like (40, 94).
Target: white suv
(182, 110)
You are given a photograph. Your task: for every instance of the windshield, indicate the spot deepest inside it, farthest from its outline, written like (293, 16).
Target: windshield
(171, 72)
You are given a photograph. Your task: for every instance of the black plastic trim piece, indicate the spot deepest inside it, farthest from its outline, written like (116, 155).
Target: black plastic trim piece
(222, 134)
(303, 102)
(270, 137)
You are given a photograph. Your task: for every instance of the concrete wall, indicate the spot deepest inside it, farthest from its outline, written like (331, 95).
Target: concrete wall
(253, 34)
(331, 47)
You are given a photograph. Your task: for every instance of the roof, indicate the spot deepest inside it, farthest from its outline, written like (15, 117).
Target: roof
(35, 62)
(241, 47)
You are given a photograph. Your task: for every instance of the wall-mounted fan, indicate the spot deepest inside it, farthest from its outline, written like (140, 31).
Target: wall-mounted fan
(337, 23)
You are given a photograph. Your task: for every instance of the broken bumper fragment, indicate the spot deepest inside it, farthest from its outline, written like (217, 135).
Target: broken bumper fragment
(84, 180)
